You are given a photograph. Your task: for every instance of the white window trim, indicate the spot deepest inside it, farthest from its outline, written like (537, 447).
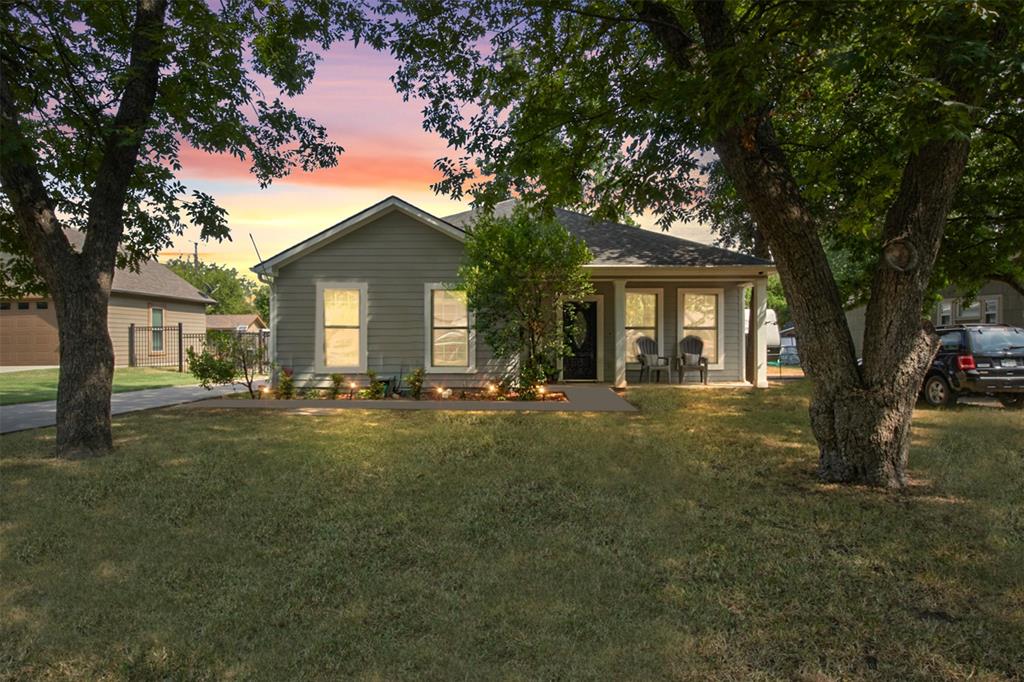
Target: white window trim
(320, 363)
(660, 322)
(428, 325)
(719, 323)
(599, 300)
(152, 328)
(952, 311)
(998, 299)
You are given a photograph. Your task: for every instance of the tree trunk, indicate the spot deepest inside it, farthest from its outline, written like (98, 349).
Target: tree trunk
(86, 371)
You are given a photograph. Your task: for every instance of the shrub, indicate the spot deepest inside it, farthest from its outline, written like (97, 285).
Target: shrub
(376, 389)
(285, 384)
(228, 358)
(416, 383)
(210, 369)
(337, 381)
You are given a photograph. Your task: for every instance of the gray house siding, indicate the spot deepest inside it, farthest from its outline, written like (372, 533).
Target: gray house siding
(1011, 302)
(1010, 307)
(395, 256)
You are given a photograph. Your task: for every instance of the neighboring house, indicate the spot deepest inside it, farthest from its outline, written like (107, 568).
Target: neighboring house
(996, 303)
(246, 322)
(152, 297)
(371, 293)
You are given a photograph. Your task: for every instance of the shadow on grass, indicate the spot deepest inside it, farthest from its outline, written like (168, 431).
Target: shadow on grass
(690, 540)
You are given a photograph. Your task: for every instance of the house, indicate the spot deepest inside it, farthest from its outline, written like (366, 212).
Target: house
(372, 293)
(154, 300)
(996, 303)
(245, 322)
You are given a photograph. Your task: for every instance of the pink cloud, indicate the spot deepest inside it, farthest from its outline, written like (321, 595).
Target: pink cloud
(369, 167)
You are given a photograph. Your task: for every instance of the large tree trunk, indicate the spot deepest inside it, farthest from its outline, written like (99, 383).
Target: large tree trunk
(860, 418)
(86, 371)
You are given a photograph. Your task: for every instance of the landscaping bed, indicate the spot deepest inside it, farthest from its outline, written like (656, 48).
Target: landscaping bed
(265, 392)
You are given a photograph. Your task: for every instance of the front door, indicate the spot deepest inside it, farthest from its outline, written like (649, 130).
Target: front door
(582, 364)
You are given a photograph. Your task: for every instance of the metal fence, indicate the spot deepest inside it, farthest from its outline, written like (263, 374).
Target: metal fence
(167, 347)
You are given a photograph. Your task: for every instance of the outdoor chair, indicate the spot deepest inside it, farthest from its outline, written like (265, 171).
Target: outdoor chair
(691, 358)
(650, 361)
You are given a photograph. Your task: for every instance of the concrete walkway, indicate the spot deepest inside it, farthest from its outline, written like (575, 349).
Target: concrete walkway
(581, 398)
(25, 368)
(37, 415)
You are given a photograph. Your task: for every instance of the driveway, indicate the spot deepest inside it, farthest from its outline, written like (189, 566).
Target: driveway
(37, 415)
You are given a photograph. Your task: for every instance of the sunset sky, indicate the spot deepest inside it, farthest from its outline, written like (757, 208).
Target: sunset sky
(386, 152)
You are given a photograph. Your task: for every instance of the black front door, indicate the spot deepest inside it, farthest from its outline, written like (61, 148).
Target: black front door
(582, 364)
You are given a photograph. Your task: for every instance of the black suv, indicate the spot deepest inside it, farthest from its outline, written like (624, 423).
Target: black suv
(977, 359)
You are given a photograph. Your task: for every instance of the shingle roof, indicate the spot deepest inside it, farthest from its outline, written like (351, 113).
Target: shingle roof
(152, 279)
(233, 321)
(617, 244)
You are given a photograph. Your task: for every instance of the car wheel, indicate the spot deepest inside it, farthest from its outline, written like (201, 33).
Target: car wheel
(937, 392)
(1014, 402)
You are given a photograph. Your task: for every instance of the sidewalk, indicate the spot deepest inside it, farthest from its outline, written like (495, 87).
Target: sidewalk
(37, 415)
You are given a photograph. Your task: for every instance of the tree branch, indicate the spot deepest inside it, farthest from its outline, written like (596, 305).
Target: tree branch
(121, 150)
(23, 184)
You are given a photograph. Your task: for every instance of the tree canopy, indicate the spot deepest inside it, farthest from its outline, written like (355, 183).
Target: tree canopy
(232, 291)
(576, 104)
(226, 73)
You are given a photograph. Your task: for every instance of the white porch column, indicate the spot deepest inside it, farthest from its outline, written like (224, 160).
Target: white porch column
(619, 306)
(744, 319)
(759, 335)
(272, 341)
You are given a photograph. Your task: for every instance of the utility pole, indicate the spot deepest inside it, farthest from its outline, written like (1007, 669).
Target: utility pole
(195, 256)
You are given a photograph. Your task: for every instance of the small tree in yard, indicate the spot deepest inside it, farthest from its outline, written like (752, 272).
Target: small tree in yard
(227, 359)
(517, 272)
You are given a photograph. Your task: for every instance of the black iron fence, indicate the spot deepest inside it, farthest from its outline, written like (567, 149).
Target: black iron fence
(167, 347)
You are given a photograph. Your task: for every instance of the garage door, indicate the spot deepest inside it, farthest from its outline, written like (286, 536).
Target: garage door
(28, 333)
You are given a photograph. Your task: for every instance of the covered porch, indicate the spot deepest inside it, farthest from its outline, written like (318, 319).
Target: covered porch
(668, 305)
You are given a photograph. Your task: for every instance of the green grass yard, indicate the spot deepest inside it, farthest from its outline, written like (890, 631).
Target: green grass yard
(41, 384)
(689, 541)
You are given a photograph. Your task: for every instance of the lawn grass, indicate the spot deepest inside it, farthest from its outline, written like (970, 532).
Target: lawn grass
(34, 385)
(689, 541)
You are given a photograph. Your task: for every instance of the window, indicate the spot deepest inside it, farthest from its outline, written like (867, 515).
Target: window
(156, 322)
(643, 318)
(969, 312)
(5, 305)
(42, 305)
(22, 305)
(951, 341)
(449, 331)
(945, 309)
(990, 310)
(341, 326)
(700, 315)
